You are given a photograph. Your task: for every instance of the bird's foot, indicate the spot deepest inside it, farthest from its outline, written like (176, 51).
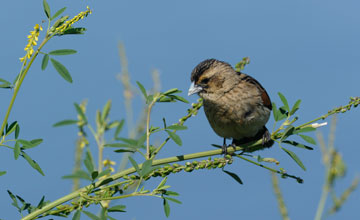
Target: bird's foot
(266, 139)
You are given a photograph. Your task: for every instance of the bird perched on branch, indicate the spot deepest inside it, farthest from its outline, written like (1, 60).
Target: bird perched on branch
(235, 104)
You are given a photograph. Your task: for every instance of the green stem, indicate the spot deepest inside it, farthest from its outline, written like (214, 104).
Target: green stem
(131, 170)
(19, 83)
(321, 206)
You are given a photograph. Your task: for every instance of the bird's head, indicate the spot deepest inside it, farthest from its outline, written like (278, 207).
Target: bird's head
(211, 76)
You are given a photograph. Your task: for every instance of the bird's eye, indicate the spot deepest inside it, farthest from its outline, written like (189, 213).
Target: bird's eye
(205, 80)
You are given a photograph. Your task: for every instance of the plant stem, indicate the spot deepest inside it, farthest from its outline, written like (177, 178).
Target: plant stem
(19, 83)
(148, 129)
(131, 170)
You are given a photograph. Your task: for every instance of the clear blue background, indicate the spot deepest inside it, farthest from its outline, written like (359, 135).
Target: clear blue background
(307, 50)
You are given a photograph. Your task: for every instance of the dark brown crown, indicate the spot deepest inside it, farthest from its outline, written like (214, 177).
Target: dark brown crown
(203, 66)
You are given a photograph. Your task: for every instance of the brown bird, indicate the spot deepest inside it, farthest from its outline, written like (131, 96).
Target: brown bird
(235, 104)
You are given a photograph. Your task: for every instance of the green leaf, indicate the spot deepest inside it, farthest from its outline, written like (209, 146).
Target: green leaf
(46, 9)
(16, 150)
(77, 215)
(171, 193)
(135, 165)
(294, 157)
(5, 84)
(13, 198)
(80, 112)
(124, 151)
(149, 99)
(94, 174)
(173, 200)
(142, 89)
(166, 207)
(106, 111)
(172, 91)
(58, 13)
(303, 130)
(2, 173)
(176, 127)
(234, 176)
(29, 144)
(119, 128)
(275, 111)
(165, 99)
(61, 69)
(11, 128)
(176, 138)
(295, 107)
(62, 52)
(92, 216)
(65, 122)
(80, 174)
(117, 208)
(308, 139)
(41, 203)
(116, 145)
(181, 99)
(44, 61)
(284, 101)
(296, 144)
(146, 168)
(78, 30)
(17, 131)
(32, 163)
(288, 131)
(89, 162)
(162, 183)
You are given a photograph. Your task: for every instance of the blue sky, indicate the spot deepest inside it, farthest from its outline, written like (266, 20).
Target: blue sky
(307, 50)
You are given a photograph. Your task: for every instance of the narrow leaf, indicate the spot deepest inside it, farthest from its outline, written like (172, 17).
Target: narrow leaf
(16, 150)
(284, 101)
(275, 111)
(119, 128)
(5, 84)
(308, 139)
(79, 30)
(117, 208)
(176, 138)
(65, 122)
(162, 183)
(124, 151)
(296, 144)
(46, 9)
(135, 165)
(295, 107)
(17, 131)
(58, 13)
(173, 200)
(90, 215)
(44, 61)
(172, 91)
(80, 112)
(171, 193)
(303, 130)
(288, 131)
(61, 69)
(80, 174)
(234, 176)
(294, 157)
(62, 52)
(142, 89)
(106, 111)
(77, 215)
(176, 127)
(41, 203)
(166, 208)
(89, 163)
(11, 128)
(32, 163)
(2, 173)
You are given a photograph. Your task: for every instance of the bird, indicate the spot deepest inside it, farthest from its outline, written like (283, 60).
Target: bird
(236, 105)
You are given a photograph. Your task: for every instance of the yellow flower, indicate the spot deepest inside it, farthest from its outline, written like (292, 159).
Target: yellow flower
(70, 22)
(33, 37)
(108, 162)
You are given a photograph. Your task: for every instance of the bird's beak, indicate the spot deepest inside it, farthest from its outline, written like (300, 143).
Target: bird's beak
(194, 89)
